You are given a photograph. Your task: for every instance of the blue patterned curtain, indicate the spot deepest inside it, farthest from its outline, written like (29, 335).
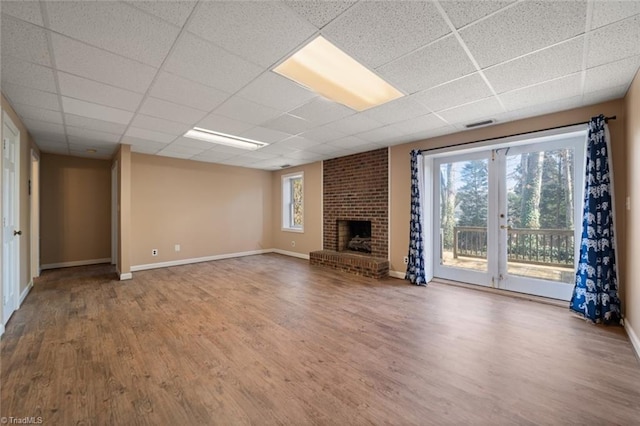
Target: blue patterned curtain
(415, 268)
(595, 295)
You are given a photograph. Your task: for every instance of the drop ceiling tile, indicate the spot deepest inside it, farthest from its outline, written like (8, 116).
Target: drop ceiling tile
(170, 111)
(474, 111)
(244, 110)
(323, 134)
(605, 95)
(614, 42)
(330, 150)
(82, 145)
(610, 11)
(278, 149)
(545, 108)
(93, 124)
(99, 112)
(24, 41)
(114, 26)
(464, 90)
(96, 64)
(277, 92)
(194, 143)
(32, 97)
(428, 134)
(61, 149)
(219, 123)
(381, 134)
(40, 135)
(349, 142)
(553, 62)
(99, 93)
(175, 12)
(239, 161)
(611, 75)
(396, 110)
(179, 90)
(465, 12)
(263, 134)
(38, 126)
(562, 88)
(319, 12)
(171, 154)
(206, 63)
(157, 124)
(26, 10)
(435, 64)
(376, 33)
(90, 136)
(181, 149)
(420, 124)
(143, 145)
(354, 124)
(27, 74)
(30, 112)
(289, 124)
(295, 143)
(305, 156)
(320, 111)
(139, 133)
(259, 31)
(213, 156)
(523, 28)
(45, 144)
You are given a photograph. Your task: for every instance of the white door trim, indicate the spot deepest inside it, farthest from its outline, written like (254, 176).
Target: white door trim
(34, 204)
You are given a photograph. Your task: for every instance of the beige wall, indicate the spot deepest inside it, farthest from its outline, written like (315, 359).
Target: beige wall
(75, 212)
(632, 270)
(123, 261)
(208, 209)
(400, 170)
(26, 145)
(311, 239)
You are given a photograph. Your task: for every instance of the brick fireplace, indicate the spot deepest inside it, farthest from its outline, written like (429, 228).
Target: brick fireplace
(356, 189)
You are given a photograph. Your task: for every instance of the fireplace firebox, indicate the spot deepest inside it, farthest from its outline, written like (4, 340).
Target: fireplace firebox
(354, 235)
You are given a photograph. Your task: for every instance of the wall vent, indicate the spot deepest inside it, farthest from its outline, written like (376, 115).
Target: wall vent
(479, 123)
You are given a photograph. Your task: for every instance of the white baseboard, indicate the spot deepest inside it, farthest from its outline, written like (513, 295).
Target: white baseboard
(25, 292)
(75, 263)
(136, 268)
(397, 274)
(635, 342)
(127, 276)
(291, 253)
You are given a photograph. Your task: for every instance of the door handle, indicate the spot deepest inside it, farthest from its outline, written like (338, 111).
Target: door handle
(17, 232)
(505, 227)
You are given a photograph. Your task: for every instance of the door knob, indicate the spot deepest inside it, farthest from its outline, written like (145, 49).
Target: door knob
(17, 232)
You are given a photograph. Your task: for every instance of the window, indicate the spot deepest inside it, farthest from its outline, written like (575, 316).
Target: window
(292, 202)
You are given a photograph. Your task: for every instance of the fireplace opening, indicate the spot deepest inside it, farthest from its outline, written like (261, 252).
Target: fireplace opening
(354, 235)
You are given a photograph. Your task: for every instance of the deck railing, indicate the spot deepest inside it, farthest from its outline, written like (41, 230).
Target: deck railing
(552, 247)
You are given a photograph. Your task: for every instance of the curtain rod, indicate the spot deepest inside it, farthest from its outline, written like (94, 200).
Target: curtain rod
(606, 120)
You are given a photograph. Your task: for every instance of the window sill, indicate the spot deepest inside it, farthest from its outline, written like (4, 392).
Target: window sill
(299, 231)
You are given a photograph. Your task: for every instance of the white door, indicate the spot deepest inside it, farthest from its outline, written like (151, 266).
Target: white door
(506, 215)
(10, 218)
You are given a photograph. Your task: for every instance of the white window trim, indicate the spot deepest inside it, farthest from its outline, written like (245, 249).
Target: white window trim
(286, 202)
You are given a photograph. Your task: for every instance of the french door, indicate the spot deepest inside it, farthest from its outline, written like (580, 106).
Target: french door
(505, 216)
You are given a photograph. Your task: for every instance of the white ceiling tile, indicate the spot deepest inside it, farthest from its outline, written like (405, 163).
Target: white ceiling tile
(605, 95)
(523, 28)
(349, 142)
(428, 134)
(277, 92)
(114, 26)
(193, 143)
(420, 124)
(319, 12)
(457, 92)
(263, 134)
(259, 31)
(213, 156)
(53, 137)
(464, 12)
(82, 145)
(99, 112)
(90, 136)
(181, 149)
(171, 154)
(396, 110)
(547, 64)
(379, 32)
(614, 42)
(295, 143)
(278, 149)
(323, 134)
(435, 64)
(27, 96)
(610, 11)
(28, 74)
(545, 108)
(219, 123)
(137, 132)
(228, 149)
(562, 88)
(239, 161)
(320, 111)
(474, 111)
(303, 155)
(25, 41)
(160, 125)
(45, 143)
(99, 93)
(26, 111)
(331, 150)
(143, 144)
(144, 150)
(381, 134)
(92, 123)
(289, 124)
(354, 124)
(173, 88)
(175, 12)
(206, 63)
(26, 10)
(38, 126)
(244, 110)
(61, 149)
(163, 109)
(96, 64)
(611, 75)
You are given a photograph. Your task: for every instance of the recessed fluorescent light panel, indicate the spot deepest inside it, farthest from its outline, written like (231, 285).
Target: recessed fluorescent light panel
(223, 139)
(327, 70)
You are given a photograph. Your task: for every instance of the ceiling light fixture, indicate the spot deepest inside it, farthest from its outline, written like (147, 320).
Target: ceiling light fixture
(223, 139)
(327, 70)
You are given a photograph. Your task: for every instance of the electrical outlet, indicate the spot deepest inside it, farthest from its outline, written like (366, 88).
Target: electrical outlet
(405, 260)
(628, 203)
(154, 252)
(293, 243)
(177, 247)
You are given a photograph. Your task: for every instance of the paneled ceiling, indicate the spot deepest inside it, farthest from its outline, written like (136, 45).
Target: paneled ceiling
(89, 75)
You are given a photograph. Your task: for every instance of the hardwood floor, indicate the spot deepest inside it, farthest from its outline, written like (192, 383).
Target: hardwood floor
(271, 340)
